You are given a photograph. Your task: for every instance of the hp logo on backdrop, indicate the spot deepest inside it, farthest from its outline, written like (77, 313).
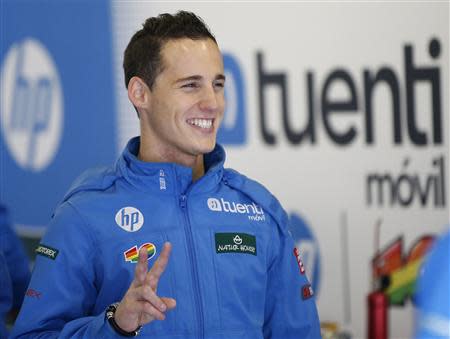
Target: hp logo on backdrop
(31, 105)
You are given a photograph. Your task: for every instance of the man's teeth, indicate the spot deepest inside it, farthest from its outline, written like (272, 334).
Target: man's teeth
(203, 123)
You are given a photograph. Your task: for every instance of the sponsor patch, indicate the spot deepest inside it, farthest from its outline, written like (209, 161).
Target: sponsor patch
(132, 254)
(253, 211)
(33, 293)
(299, 260)
(129, 219)
(235, 243)
(307, 291)
(47, 251)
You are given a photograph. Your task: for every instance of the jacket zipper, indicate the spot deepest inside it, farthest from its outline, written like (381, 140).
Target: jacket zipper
(194, 269)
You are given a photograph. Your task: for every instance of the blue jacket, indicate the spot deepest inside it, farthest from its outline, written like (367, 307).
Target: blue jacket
(5, 295)
(433, 292)
(232, 269)
(14, 269)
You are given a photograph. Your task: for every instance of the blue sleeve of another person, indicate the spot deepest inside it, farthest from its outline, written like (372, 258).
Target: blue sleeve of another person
(433, 292)
(16, 259)
(5, 295)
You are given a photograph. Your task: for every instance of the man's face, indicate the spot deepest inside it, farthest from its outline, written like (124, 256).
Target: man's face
(187, 99)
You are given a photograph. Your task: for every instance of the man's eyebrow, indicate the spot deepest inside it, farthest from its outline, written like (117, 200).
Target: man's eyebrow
(189, 78)
(198, 77)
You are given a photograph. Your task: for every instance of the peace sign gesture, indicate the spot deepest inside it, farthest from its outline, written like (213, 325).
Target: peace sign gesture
(141, 304)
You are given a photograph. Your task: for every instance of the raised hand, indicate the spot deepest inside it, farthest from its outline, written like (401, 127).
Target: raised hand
(141, 304)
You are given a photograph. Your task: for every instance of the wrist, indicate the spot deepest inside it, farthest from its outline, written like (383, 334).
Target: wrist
(110, 317)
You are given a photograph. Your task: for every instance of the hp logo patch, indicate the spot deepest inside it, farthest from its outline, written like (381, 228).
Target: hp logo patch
(233, 128)
(31, 105)
(129, 219)
(309, 249)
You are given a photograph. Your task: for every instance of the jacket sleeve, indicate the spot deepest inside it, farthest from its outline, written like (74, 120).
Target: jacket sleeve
(16, 259)
(62, 291)
(290, 310)
(5, 294)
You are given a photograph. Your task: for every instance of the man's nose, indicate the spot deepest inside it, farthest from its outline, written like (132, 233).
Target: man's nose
(209, 100)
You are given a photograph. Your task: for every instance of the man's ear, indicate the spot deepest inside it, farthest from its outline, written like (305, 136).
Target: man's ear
(138, 92)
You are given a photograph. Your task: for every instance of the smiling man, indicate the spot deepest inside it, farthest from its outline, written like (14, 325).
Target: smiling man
(167, 243)
(180, 113)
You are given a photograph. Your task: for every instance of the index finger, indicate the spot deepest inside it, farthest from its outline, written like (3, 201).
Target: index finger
(160, 264)
(141, 267)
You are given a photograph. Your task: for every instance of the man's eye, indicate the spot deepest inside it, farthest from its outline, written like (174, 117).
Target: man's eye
(219, 84)
(190, 85)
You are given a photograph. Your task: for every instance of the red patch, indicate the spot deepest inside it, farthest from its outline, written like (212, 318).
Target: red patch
(299, 261)
(33, 293)
(307, 291)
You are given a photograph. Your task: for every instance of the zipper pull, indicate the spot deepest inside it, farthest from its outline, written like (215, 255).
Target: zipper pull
(183, 201)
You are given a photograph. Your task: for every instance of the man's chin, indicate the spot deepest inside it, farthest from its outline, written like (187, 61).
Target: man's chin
(207, 148)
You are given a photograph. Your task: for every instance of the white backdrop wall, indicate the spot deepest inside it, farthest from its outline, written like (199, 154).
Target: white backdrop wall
(324, 182)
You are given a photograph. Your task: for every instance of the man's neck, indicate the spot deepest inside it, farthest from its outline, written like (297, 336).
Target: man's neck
(199, 169)
(162, 154)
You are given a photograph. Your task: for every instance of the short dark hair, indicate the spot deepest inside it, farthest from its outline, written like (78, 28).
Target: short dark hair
(142, 56)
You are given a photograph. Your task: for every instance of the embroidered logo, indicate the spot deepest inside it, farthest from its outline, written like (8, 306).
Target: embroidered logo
(129, 219)
(299, 260)
(33, 293)
(235, 243)
(47, 251)
(253, 211)
(132, 254)
(307, 291)
(162, 180)
(214, 205)
(237, 239)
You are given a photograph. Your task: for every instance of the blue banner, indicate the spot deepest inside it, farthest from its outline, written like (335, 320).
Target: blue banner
(57, 106)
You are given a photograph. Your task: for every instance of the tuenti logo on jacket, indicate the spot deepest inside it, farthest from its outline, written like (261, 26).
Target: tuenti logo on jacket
(253, 211)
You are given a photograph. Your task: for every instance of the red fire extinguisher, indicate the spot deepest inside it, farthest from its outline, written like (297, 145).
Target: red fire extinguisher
(377, 325)
(377, 301)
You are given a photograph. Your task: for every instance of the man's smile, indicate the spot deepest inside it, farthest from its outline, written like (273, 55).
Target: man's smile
(202, 123)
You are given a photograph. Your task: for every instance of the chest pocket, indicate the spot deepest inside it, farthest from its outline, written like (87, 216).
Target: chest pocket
(239, 260)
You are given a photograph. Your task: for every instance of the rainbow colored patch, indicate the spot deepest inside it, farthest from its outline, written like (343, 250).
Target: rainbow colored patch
(132, 254)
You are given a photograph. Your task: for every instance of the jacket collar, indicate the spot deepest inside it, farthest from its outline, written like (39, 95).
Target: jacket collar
(169, 177)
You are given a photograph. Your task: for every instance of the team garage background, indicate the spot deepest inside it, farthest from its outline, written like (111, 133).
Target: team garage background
(340, 109)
